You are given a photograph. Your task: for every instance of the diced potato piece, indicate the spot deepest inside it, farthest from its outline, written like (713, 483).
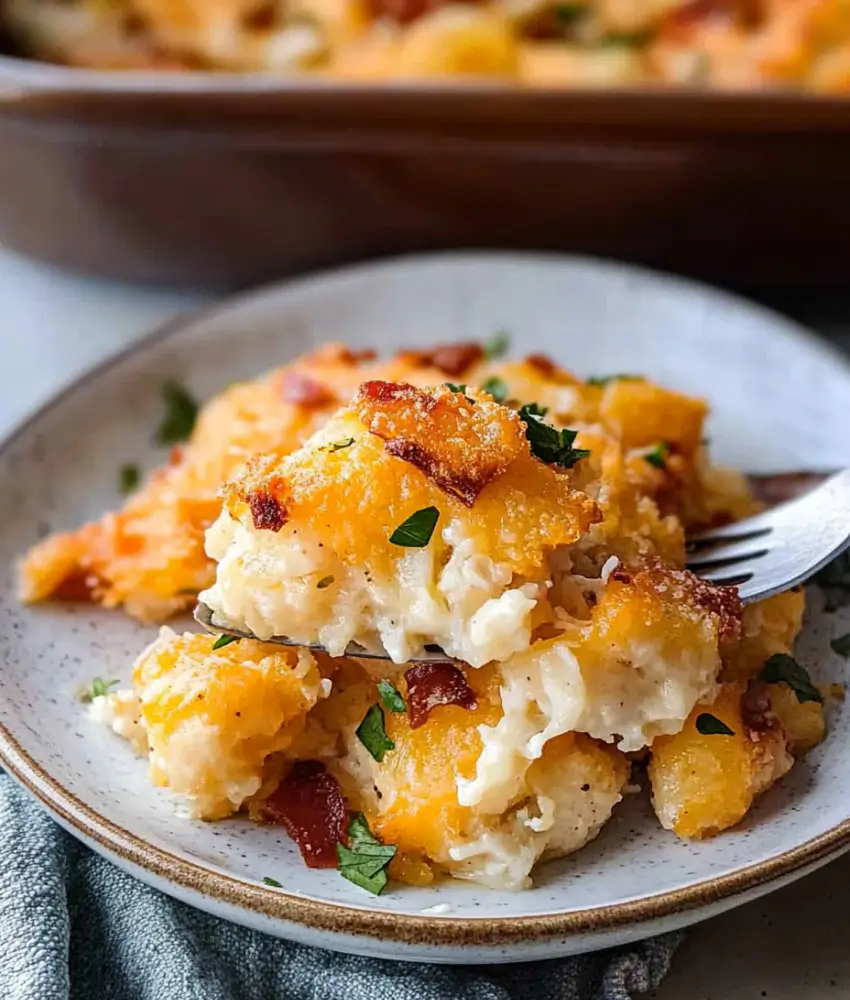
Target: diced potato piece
(767, 627)
(214, 716)
(457, 40)
(419, 807)
(641, 414)
(802, 722)
(702, 784)
(556, 64)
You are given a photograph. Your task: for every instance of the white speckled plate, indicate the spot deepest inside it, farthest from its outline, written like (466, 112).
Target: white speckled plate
(780, 401)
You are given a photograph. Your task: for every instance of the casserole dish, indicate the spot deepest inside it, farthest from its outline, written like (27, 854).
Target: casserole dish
(214, 180)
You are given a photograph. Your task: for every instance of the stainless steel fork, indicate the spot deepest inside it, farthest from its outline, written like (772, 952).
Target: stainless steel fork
(761, 556)
(779, 548)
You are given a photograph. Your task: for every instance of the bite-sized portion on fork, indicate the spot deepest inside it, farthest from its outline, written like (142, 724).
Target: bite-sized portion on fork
(421, 517)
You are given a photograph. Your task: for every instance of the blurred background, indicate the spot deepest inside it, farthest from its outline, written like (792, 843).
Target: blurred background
(218, 143)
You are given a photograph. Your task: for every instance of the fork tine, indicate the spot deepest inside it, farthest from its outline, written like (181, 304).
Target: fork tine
(728, 576)
(726, 555)
(743, 531)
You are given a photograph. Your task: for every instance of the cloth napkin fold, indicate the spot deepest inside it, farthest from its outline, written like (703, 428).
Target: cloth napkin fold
(75, 927)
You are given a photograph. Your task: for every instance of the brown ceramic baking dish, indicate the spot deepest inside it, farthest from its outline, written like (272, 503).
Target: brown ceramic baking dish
(226, 180)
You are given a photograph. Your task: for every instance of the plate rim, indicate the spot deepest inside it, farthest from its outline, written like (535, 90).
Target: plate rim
(433, 930)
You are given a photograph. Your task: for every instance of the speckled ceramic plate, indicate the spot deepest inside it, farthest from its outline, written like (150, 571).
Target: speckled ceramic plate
(780, 401)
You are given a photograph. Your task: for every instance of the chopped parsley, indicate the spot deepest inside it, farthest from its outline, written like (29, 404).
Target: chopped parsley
(364, 862)
(391, 697)
(129, 477)
(533, 410)
(710, 725)
(225, 640)
(461, 388)
(601, 381)
(841, 645)
(324, 583)
(96, 689)
(181, 411)
(569, 13)
(344, 443)
(372, 734)
(272, 882)
(657, 456)
(636, 39)
(416, 531)
(497, 345)
(547, 443)
(784, 668)
(497, 389)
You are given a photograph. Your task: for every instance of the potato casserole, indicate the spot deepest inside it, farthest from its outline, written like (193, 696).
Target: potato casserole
(527, 527)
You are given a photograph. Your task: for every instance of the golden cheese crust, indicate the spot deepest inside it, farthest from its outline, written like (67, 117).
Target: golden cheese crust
(149, 556)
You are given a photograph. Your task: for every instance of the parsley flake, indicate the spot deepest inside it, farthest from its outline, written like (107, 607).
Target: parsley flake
(841, 645)
(460, 387)
(497, 389)
(272, 882)
(129, 477)
(344, 443)
(225, 640)
(784, 668)
(372, 734)
(569, 13)
(324, 583)
(97, 689)
(391, 697)
(547, 443)
(601, 381)
(364, 861)
(416, 531)
(181, 411)
(635, 39)
(710, 725)
(657, 456)
(497, 345)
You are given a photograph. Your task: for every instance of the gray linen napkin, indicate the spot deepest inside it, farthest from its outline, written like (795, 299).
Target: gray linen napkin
(75, 927)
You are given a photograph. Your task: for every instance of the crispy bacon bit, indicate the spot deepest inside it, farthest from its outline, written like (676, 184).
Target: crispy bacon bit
(681, 21)
(80, 585)
(432, 684)
(261, 18)
(461, 448)
(357, 357)
(389, 392)
(304, 390)
(402, 11)
(450, 359)
(549, 370)
(310, 804)
(267, 512)
(755, 708)
(540, 363)
(620, 574)
(464, 487)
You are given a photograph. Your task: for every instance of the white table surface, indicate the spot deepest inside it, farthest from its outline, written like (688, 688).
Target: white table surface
(789, 945)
